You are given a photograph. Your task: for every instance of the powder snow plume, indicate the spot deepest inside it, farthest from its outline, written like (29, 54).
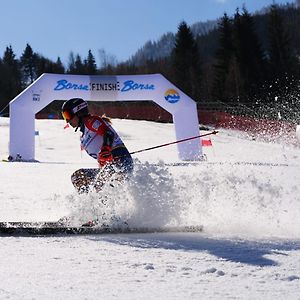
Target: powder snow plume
(228, 199)
(148, 199)
(243, 200)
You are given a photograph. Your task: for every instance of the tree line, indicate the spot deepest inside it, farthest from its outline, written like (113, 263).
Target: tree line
(249, 60)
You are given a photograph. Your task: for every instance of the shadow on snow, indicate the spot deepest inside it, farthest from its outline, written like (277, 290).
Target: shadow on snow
(235, 250)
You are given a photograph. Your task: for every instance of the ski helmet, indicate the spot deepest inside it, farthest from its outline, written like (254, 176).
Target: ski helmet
(74, 106)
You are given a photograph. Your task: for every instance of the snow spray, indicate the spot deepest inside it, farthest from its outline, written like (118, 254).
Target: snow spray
(227, 199)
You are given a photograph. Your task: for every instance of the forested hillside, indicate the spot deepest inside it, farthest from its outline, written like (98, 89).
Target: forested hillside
(243, 63)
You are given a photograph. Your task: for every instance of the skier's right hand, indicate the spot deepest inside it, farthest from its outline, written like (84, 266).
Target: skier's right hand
(105, 157)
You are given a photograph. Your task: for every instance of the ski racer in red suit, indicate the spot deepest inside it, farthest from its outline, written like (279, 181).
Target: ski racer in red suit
(101, 142)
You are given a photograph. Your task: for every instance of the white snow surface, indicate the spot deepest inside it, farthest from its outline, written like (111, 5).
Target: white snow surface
(246, 195)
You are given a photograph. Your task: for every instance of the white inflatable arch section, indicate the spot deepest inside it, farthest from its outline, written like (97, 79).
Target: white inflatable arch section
(50, 87)
(298, 133)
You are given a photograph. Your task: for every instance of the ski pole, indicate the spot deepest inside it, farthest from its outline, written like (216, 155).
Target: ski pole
(176, 142)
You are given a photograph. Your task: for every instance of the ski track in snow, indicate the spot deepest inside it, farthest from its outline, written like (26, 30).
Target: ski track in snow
(246, 195)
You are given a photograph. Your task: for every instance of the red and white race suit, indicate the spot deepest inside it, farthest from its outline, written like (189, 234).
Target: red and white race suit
(93, 130)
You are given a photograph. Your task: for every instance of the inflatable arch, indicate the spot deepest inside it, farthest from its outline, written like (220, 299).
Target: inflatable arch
(153, 87)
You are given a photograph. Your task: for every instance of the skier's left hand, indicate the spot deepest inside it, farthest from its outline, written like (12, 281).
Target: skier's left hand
(105, 156)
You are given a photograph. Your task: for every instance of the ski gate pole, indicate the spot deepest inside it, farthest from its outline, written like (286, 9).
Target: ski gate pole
(176, 142)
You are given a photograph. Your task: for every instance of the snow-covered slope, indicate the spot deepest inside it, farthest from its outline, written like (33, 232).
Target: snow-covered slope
(246, 195)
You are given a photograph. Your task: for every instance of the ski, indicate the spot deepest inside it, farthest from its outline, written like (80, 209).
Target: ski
(56, 228)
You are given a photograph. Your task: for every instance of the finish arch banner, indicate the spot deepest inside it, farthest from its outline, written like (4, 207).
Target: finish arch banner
(153, 87)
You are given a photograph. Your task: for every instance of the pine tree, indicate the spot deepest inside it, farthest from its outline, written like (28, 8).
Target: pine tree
(280, 53)
(185, 62)
(28, 65)
(249, 56)
(79, 65)
(58, 67)
(45, 65)
(2, 94)
(224, 61)
(283, 61)
(10, 77)
(71, 64)
(42, 65)
(76, 66)
(90, 64)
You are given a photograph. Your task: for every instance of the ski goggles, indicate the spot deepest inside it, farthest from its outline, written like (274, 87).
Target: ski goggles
(67, 116)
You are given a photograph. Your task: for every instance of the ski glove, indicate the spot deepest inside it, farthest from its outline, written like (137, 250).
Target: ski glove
(105, 156)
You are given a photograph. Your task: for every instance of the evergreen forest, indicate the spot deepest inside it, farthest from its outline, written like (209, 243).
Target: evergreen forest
(249, 64)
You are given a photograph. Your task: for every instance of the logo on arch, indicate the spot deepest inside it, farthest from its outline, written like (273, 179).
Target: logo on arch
(172, 96)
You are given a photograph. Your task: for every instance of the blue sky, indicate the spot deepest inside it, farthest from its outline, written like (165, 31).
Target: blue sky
(56, 27)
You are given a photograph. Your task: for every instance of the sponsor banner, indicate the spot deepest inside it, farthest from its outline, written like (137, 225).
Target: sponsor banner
(132, 85)
(64, 84)
(104, 87)
(97, 88)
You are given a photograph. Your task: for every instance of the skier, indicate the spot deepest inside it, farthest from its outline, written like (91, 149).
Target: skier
(101, 142)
